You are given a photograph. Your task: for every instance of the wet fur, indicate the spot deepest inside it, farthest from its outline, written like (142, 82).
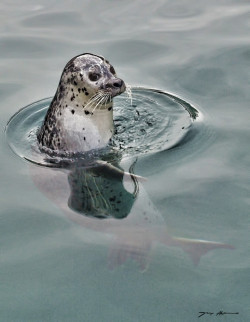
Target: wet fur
(79, 97)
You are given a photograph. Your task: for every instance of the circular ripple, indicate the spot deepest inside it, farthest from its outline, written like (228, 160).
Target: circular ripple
(149, 122)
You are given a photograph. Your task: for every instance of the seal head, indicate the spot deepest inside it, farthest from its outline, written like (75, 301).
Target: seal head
(80, 116)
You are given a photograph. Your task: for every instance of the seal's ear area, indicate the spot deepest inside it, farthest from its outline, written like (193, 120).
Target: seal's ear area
(86, 58)
(71, 68)
(112, 70)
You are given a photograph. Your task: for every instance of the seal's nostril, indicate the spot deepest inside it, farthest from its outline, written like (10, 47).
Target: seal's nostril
(118, 83)
(115, 83)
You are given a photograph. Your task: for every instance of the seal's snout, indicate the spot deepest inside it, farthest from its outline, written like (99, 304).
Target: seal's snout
(119, 84)
(116, 85)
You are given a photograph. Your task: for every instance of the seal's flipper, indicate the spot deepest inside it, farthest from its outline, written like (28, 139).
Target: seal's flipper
(120, 253)
(197, 248)
(116, 171)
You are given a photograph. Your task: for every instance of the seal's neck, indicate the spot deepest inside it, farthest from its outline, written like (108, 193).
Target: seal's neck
(86, 131)
(77, 125)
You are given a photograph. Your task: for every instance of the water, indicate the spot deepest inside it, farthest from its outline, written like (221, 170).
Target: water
(55, 270)
(149, 121)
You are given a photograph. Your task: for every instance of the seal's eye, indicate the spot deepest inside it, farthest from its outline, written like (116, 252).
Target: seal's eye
(112, 70)
(94, 76)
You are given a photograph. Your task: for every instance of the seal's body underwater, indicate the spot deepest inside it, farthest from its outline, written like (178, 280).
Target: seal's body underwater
(80, 116)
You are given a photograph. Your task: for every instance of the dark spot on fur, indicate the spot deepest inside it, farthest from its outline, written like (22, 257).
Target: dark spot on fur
(112, 198)
(75, 83)
(112, 70)
(110, 108)
(86, 112)
(84, 138)
(73, 111)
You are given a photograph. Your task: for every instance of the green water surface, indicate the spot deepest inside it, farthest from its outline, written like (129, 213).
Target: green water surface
(55, 270)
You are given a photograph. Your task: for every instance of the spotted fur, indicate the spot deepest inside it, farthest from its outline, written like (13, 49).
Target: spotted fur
(78, 118)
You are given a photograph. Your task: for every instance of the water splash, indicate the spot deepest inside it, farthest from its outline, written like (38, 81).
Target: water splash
(129, 93)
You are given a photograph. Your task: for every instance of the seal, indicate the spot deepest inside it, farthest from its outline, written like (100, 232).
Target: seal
(80, 116)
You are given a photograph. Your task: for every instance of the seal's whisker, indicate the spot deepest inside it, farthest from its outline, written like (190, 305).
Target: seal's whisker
(91, 101)
(97, 99)
(99, 102)
(87, 105)
(105, 99)
(99, 96)
(108, 97)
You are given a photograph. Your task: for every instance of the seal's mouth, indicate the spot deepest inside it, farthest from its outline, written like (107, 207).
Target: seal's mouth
(117, 92)
(104, 96)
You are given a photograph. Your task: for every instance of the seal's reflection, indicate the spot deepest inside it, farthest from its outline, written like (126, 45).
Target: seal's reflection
(99, 192)
(104, 198)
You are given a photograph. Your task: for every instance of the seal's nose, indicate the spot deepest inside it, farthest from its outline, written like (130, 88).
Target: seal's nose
(115, 83)
(118, 83)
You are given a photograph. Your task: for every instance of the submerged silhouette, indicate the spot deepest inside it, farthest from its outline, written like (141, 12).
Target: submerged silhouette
(104, 198)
